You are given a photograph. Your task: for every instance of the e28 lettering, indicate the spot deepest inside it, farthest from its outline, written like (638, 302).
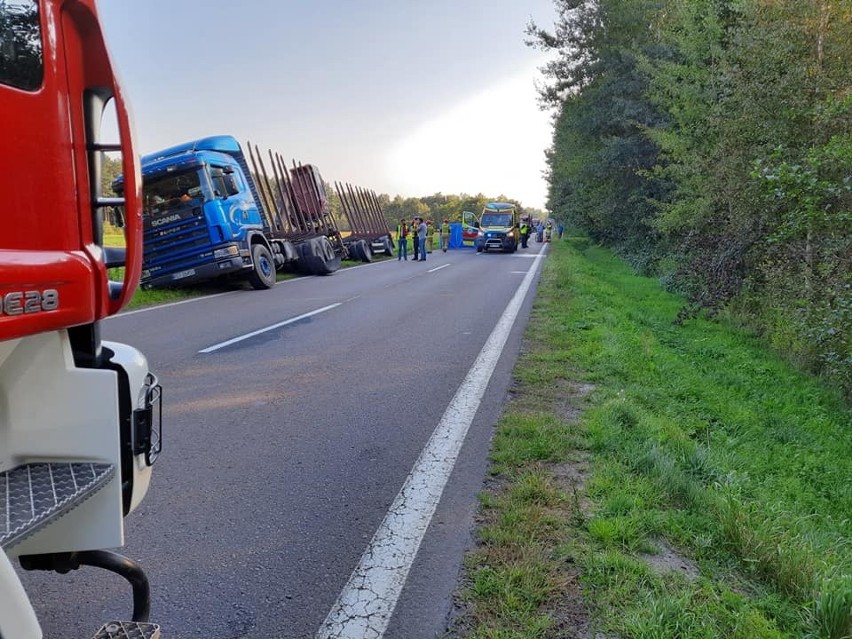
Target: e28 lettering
(26, 302)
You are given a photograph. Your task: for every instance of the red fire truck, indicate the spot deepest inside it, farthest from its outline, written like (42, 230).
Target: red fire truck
(79, 417)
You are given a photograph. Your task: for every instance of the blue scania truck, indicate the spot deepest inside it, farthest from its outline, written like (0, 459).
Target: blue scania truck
(208, 215)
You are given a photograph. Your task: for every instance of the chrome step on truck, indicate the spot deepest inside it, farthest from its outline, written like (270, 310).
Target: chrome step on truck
(128, 630)
(34, 495)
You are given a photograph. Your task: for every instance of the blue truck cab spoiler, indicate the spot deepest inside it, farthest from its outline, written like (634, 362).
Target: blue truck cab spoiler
(154, 163)
(221, 143)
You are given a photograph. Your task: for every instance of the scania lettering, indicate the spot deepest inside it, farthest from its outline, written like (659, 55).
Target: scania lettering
(165, 220)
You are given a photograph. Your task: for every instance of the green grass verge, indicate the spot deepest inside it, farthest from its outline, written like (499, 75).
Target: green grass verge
(152, 297)
(658, 481)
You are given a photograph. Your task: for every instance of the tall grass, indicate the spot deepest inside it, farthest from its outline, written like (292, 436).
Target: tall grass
(695, 435)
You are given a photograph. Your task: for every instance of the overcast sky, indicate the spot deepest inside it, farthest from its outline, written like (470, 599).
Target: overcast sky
(406, 97)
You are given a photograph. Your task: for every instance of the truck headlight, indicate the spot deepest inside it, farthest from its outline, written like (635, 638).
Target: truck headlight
(510, 234)
(230, 251)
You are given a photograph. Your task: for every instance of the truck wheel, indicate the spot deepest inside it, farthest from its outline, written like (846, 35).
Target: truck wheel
(386, 242)
(318, 257)
(366, 252)
(355, 251)
(262, 275)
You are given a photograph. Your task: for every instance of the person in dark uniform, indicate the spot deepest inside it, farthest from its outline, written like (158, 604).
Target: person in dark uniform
(414, 242)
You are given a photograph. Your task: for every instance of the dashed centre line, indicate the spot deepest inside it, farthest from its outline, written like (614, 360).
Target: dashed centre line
(364, 608)
(240, 338)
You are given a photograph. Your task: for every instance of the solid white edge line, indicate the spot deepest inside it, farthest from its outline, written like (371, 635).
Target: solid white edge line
(199, 298)
(240, 338)
(437, 268)
(170, 304)
(364, 607)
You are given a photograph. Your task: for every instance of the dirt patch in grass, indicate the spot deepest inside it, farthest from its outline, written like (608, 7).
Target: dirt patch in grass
(571, 615)
(570, 399)
(572, 475)
(667, 560)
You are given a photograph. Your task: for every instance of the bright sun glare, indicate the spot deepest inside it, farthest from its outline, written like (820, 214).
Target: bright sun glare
(492, 143)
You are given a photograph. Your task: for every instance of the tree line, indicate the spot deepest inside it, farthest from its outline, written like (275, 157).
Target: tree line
(439, 207)
(709, 142)
(436, 207)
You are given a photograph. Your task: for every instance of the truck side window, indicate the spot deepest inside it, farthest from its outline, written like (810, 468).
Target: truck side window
(231, 187)
(224, 184)
(21, 63)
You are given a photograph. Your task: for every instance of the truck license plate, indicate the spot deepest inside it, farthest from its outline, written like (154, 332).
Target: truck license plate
(183, 274)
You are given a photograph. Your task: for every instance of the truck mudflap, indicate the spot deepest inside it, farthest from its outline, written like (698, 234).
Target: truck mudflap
(360, 250)
(383, 244)
(317, 257)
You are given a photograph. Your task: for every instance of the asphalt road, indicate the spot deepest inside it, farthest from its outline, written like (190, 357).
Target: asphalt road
(283, 451)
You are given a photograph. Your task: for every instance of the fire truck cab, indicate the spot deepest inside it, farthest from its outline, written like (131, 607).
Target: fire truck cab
(79, 417)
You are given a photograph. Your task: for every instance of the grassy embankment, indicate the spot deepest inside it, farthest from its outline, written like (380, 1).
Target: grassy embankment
(658, 481)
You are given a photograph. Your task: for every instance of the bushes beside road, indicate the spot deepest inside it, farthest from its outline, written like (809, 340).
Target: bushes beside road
(658, 480)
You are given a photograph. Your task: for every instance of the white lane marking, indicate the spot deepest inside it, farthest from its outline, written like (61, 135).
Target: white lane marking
(437, 268)
(240, 338)
(518, 272)
(364, 607)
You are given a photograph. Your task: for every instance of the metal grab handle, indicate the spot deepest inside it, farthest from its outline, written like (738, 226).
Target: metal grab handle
(132, 572)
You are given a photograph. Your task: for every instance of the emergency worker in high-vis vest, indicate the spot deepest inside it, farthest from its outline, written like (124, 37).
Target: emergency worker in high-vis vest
(444, 232)
(525, 232)
(402, 241)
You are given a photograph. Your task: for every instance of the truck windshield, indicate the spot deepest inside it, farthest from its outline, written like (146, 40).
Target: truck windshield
(171, 191)
(496, 219)
(20, 44)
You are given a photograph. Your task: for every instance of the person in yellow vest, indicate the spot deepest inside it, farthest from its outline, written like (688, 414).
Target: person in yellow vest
(402, 241)
(444, 232)
(525, 231)
(430, 235)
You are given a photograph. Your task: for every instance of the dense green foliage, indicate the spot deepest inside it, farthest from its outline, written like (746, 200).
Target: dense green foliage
(439, 206)
(710, 143)
(658, 481)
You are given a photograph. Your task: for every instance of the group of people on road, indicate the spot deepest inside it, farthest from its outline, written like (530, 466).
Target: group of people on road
(543, 231)
(422, 233)
(416, 229)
